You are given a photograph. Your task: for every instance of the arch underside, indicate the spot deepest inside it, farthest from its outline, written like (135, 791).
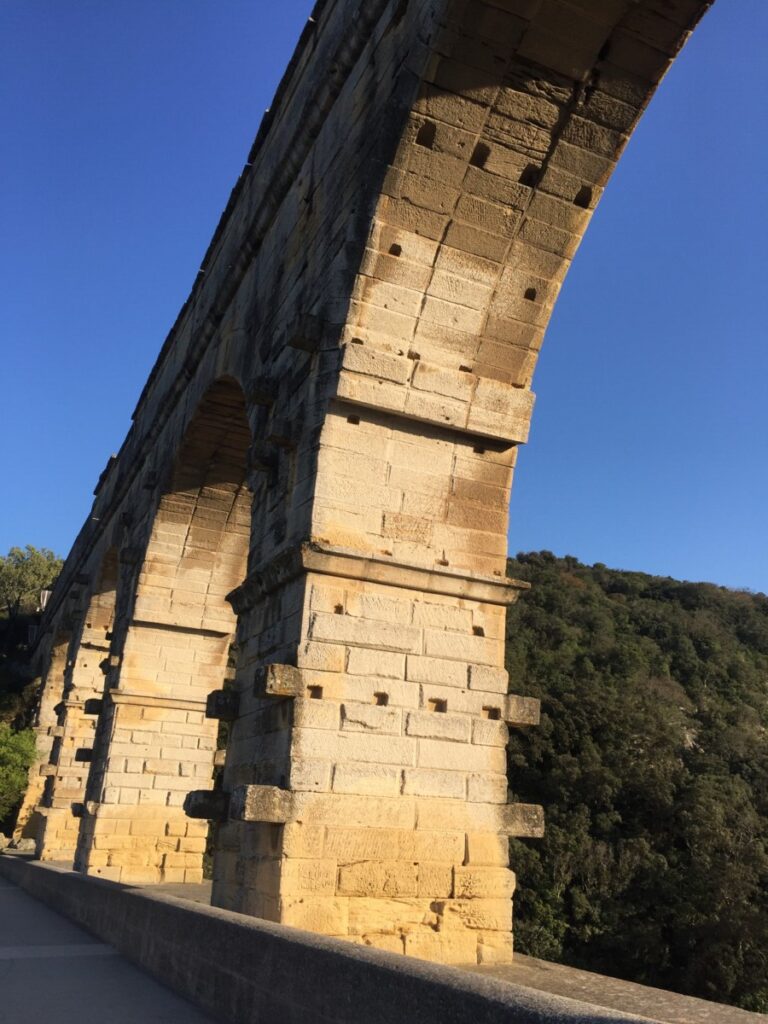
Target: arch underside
(171, 649)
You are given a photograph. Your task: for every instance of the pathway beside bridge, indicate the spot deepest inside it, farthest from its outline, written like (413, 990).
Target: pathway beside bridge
(52, 970)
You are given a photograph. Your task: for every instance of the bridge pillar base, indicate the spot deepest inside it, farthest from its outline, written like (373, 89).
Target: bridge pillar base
(375, 800)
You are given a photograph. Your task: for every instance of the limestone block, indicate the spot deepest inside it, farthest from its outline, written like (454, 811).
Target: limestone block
(452, 756)
(448, 947)
(378, 607)
(373, 691)
(323, 657)
(385, 915)
(522, 711)
(475, 649)
(384, 664)
(328, 915)
(343, 810)
(442, 616)
(429, 782)
(316, 714)
(490, 733)
(390, 943)
(278, 681)
(374, 780)
(437, 725)
(355, 844)
(302, 840)
(495, 947)
(370, 748)
(489, 913)
(483, 881)
(310, 775)
(487, 848)
(345, 629)
(488, 679)
(435, 880)
(366, 359)
(370, 718)
(522, 820)
(314, 877)
(384, 878)
(436, 670)
(398, 526)
(260, 803)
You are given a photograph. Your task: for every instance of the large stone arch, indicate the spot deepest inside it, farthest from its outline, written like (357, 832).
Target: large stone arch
(171, 648)
(380, 282)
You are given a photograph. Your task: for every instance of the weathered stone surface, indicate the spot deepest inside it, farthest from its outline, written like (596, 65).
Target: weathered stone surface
(211, 804)
(261, 803)
(309, 514)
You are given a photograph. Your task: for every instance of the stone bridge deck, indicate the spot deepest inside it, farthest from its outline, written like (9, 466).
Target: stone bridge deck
(242, 970)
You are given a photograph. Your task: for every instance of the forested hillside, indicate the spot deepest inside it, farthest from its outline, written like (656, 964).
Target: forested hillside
(652, 763)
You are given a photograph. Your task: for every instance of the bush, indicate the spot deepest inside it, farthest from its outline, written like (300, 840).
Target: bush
(17, 752)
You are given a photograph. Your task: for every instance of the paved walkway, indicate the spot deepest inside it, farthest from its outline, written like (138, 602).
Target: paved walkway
(50, 970)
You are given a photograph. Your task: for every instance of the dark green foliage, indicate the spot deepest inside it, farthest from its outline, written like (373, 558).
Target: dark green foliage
(24, 573)
(652, 764)
(17, 751)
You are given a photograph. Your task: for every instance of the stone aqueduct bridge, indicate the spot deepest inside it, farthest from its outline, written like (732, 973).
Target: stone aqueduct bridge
(307, 520)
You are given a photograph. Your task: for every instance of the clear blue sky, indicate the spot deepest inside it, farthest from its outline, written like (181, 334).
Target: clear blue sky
(125, 126)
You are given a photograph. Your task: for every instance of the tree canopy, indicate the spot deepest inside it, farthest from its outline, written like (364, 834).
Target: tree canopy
(24, 573)
(17, 751)
(652, 763)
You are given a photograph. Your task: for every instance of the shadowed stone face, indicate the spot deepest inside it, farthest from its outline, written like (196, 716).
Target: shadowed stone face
(309, 513)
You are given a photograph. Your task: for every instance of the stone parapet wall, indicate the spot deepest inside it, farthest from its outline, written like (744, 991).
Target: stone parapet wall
(239, 969)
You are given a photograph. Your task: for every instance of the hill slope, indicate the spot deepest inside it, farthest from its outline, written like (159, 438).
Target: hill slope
(652, 763)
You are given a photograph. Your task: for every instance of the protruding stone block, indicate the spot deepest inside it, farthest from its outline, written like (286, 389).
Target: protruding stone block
(261, 803)
(222, 704)
(522, 711)
(47, 769)
(524, 821)
(262, 457)
(210, 804)
(278, 681)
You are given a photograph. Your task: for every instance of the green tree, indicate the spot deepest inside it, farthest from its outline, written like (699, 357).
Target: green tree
(652, 765)
(24, 573)
(17, 751)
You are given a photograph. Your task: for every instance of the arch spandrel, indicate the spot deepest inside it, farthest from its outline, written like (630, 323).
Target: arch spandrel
(519, 115)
